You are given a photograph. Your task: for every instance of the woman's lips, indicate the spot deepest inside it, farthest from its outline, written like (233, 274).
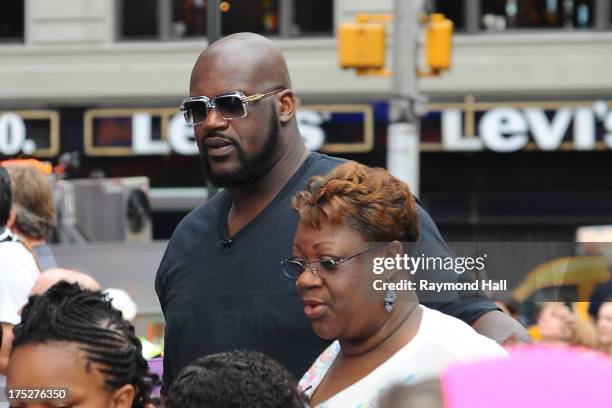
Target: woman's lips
(314, 309)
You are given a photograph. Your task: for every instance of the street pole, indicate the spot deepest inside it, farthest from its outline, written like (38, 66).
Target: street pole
(213, 33)
(213, 21)
(403, 133)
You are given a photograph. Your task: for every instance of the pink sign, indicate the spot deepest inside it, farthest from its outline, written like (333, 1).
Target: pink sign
(534, 376)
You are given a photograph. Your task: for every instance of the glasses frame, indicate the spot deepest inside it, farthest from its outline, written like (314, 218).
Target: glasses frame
(305, 264)
(212, 104)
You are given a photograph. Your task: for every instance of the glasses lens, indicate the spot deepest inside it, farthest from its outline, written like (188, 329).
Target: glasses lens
(292, 268)
(195, 111)
(329, 264)
(230, 106)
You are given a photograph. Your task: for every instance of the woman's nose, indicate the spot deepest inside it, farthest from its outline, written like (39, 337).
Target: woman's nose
(309, 278)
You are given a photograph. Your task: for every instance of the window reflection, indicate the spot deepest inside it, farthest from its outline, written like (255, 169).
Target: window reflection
(11, 20)
(175, 19)
(139, 19)
(189, 17)
(498, 15)
(313, 17)
(453, 10)
(255, 16)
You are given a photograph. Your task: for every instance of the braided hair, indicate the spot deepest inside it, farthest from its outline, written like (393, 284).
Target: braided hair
(66, 312)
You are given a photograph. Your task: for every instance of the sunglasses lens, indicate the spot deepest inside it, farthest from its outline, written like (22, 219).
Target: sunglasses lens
(292, 269)
(195, 111)
(230, 107)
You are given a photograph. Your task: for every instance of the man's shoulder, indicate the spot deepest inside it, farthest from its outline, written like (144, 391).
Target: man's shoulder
(320, 163)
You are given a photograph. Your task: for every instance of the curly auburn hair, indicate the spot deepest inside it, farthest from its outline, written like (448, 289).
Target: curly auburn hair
(367, 199)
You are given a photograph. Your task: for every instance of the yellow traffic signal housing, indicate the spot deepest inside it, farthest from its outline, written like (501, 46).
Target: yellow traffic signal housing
(438, 42)
(361, 45)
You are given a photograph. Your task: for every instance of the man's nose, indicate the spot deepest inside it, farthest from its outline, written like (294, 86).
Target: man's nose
(214, 120)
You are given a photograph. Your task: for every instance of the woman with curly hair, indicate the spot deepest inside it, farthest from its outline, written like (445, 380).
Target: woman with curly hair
(348, 221)
(73, 339)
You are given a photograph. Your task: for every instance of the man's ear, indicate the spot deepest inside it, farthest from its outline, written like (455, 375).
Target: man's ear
(123, 396)
(10, 223)
(287, 106)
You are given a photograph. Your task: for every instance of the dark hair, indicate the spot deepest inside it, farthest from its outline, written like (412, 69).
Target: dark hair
(5, 196)
(68, 313)
(235, 379)
(368, 199)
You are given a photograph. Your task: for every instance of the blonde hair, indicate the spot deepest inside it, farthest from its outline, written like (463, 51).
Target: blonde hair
(32, 201)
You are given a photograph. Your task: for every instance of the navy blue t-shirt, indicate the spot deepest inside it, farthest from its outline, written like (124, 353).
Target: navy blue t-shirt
(217, 298)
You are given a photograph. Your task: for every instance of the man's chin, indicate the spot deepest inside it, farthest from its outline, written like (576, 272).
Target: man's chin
(224, 180)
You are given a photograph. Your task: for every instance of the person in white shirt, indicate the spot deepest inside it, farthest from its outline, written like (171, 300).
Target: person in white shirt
(18, 272)
(349, 218)
(32, 216)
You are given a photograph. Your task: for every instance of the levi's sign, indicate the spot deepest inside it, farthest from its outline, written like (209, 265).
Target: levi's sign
(514, 127)
(163, 131)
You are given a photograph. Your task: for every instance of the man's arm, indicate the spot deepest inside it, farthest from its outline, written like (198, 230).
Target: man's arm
(473, 308)
(5, 349)
(502, 328)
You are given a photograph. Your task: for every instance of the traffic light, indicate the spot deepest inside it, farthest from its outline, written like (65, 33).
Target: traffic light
(438, 42)
(361, 45)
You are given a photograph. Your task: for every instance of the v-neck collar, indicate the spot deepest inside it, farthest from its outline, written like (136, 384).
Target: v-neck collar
(226, 204)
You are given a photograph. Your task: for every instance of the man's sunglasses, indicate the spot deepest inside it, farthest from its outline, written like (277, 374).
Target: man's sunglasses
(230, 105)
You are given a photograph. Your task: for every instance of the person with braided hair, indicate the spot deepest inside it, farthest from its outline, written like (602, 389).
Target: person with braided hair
(74, 339)
(348, 220)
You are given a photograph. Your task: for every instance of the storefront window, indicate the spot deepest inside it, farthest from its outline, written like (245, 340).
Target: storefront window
(453, 10)
(11, 20)
(139, 19)
(176, 19)
(255, 16)
(499, 15)
(313, 17)
(189, 17)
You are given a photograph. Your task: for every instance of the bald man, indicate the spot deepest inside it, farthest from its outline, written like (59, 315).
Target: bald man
(219, 283)
(51, 276)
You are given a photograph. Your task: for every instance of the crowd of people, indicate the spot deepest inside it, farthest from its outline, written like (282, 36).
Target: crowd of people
(264, 288)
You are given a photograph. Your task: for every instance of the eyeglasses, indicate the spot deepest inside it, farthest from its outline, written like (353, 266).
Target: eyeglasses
(293, 267)
(230, 105)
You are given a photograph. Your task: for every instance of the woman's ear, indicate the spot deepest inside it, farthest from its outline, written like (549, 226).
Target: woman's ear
(287, 106)
(123, 396)
(394, 248)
